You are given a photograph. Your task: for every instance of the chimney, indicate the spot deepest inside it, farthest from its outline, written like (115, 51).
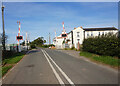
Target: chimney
(74, 28)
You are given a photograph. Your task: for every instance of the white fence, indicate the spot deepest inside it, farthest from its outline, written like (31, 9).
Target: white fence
(17, 48)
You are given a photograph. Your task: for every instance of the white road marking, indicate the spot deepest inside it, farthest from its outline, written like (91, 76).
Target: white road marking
(54, 71)
(63, 73)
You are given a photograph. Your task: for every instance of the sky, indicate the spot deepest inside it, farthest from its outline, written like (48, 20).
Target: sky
(39, 19)
(60, 0)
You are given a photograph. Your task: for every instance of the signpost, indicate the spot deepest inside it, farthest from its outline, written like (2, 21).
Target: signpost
(64, 34)
(19, 38)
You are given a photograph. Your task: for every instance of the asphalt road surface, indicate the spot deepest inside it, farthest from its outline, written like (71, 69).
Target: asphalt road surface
(46, 66)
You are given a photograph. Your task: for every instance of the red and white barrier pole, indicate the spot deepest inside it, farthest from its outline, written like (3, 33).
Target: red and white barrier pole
(63, 28)
(18, 32)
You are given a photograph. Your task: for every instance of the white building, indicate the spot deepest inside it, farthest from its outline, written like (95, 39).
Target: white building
(77, 36)
(58, 42)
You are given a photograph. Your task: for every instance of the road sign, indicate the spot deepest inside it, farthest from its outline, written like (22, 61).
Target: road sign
(19, 37)
(64, 35)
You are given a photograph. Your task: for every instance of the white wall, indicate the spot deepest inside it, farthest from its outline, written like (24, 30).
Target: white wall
(75, 37)
(59, 43)
(69, 36)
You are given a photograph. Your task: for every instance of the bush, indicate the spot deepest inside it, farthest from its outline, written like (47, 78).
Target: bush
(65, 49)
(7, 54)
(32, 46)
(72, 48)
(45, 46)
(103, 45)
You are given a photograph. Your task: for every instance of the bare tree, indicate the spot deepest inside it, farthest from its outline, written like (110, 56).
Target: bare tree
(6, 37)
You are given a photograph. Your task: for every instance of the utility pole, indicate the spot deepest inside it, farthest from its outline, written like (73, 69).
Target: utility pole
(3, 35)
(49, 39)
(26, 40)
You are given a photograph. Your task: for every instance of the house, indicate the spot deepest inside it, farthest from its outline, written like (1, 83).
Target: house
(59, 41)
(77, 35)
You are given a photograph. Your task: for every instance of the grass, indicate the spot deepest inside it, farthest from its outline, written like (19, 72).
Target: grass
(103, 59)
(71, 49)
(11, 61)
(14, 59)
(5, 69)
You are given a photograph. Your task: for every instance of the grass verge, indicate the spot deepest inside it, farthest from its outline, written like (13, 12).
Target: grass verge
(14, 59)
(5, 69)
(9, 62)
(114, 62)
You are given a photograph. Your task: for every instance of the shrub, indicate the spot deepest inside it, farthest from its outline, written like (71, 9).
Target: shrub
(72, 48)
(103, 45)
(65, 49)
(45, 46)
(32, 46)
(7, 54)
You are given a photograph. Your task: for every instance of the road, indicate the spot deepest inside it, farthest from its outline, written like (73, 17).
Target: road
(46, 66)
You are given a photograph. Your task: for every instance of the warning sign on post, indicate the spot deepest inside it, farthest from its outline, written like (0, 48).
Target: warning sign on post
(19, 37)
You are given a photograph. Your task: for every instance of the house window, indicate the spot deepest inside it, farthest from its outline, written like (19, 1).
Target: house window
(102, 33)
(99, 34)
(78, 34)
(91, 33)
(87, 34)
(78, 40)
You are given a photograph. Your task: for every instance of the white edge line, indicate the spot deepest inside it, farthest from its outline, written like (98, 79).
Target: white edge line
(54, 71)
(67, 78)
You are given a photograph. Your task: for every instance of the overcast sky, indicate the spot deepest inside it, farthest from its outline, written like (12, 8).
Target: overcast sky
(40, 18)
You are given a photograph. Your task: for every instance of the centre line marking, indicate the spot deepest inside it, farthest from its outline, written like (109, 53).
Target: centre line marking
(63, 73)
(54, 71)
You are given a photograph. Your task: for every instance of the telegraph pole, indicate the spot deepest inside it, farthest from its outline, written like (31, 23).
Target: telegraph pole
(26, 41)
(3, 35)
(49, 39)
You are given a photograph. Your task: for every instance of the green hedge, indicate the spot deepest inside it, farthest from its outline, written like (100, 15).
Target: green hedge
(103, 45)
(47, 46)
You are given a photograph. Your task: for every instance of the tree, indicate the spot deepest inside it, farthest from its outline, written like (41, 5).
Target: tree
(23, 43)
(0, 39)
(44, 41)
(119, 34)
(39, 41)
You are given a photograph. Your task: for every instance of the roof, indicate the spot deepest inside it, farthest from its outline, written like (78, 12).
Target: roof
(69, 32)
(100, 29)
(59, 37)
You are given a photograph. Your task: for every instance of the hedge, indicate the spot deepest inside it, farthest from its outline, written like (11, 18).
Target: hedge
(108, 44)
